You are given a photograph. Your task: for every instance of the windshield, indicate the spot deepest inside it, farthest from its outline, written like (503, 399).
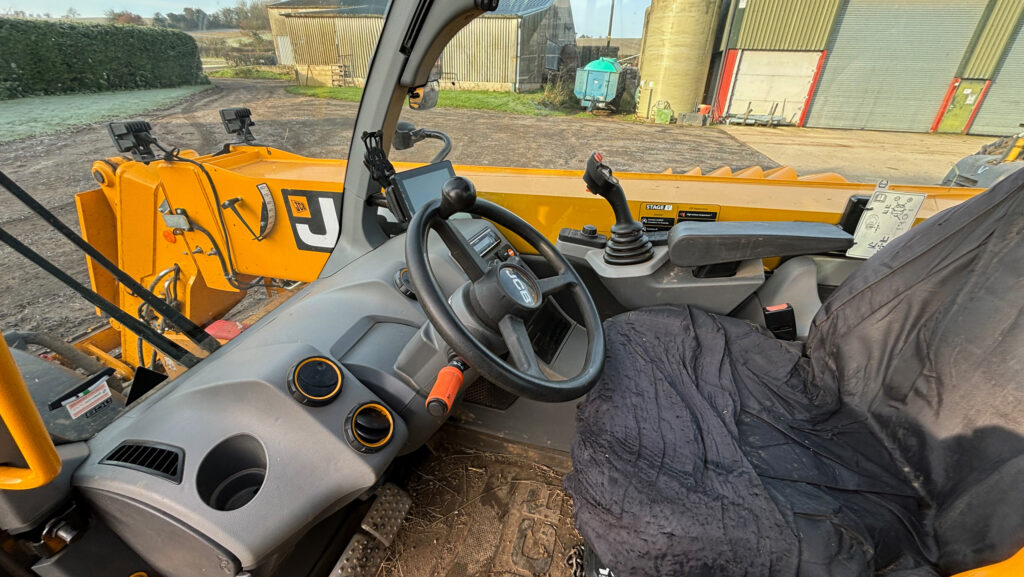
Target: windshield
(223, 213)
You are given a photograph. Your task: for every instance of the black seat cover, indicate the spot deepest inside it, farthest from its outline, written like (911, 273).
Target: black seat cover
(894, 445)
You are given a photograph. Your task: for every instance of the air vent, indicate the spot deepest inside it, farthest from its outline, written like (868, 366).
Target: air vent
(370, 427)
(163, 461)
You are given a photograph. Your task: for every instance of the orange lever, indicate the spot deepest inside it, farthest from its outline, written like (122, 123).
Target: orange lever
(446, 388)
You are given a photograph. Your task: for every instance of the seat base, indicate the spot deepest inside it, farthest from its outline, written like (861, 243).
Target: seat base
(705, 450)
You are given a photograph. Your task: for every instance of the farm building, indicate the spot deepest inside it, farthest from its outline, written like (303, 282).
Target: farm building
(904, 65)
(331, 42)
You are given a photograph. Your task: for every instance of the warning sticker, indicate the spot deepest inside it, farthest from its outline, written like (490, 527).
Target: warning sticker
(89, 399)
(887, 215)
(299, 206)
(697, 215)
(705, 212)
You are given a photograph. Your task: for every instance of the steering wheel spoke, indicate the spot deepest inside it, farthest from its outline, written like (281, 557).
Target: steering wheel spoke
(500, 297)
(554, 284)
(520, 349)
(463, 253)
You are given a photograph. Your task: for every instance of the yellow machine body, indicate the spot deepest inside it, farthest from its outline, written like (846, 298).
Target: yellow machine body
(149, 218)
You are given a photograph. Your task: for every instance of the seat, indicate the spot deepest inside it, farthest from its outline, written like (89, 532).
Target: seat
(891, 444)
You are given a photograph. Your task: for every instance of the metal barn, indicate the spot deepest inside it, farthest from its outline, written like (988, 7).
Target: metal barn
(513, 48)
(907, 65)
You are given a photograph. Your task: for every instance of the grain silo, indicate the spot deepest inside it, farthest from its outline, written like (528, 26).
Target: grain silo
(676, 53)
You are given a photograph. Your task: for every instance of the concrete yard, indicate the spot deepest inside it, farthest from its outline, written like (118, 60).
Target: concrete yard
(861, 155)
(55, 167)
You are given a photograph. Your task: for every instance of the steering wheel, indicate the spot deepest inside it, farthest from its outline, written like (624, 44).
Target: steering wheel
(499, 299)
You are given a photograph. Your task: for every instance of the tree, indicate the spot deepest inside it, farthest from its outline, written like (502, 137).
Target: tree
(71, 14)
(124, 17)
(253, 15)
(160, 21)
(195, 19)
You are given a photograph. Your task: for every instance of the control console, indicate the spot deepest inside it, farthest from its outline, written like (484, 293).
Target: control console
(628, 244)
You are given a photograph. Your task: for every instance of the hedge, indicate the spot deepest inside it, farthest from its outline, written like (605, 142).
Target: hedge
(46, 57)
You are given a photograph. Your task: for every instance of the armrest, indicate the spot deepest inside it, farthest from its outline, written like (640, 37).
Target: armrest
(695, 243)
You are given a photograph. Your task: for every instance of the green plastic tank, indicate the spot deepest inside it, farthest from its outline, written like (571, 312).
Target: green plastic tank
(597, 83)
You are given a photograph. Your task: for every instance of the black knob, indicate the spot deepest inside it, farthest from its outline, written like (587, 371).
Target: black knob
(370, 427)
(589, 230)
(315, 382)
(457, 195)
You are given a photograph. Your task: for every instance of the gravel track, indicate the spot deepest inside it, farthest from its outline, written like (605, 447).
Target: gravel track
(53, 168)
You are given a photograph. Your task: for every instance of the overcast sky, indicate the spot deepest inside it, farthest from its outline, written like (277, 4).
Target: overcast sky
(591, 16)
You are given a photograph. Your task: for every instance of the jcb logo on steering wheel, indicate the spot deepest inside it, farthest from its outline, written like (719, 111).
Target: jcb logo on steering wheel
(315, 217)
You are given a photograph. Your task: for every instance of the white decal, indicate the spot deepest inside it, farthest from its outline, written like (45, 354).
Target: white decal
(88, 399)
(887, 215)
(331, 227)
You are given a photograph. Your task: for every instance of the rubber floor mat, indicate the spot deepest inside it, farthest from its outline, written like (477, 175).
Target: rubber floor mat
(484, 513)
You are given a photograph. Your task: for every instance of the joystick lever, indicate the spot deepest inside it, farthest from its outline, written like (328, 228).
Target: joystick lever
(628, 243)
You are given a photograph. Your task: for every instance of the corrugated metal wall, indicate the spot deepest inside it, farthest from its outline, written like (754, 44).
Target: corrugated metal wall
(483, 52)
(482, 55)
(356, 37)
(993, 38)
(787, 24)
(1003, 107)
(890, 64)
(313, 40)
(277, 22)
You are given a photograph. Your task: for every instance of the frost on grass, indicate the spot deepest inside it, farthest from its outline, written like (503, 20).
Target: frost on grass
(36, 116)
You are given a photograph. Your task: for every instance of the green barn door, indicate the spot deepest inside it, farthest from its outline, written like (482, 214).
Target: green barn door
(960, 108)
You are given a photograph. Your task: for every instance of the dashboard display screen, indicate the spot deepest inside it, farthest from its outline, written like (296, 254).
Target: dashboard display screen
(421, 185)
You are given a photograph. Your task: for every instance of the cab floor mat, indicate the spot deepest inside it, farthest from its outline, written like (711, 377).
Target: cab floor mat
(496, 512)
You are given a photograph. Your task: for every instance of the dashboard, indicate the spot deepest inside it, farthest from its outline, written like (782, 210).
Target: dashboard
(285, 424)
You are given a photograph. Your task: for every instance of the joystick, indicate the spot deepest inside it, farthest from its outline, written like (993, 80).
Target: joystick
(628, 243)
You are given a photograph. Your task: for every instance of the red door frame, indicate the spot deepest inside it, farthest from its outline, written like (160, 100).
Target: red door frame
(950, 94)
(813, 87)
(977, 106)
(725, 83)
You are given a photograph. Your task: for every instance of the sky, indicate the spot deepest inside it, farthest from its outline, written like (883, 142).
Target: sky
(590, 16)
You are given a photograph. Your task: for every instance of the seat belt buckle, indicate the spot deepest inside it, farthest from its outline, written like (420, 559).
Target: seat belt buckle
(781, 321)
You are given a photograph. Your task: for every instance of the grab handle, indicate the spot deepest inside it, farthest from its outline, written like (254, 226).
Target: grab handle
(19, 414)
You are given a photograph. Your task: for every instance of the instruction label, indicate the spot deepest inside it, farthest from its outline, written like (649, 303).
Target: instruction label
(89, 399)
(268, 212)
(706, 212)
(887, 215)
(656, 217)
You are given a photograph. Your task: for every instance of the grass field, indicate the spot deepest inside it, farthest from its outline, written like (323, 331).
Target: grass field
(530, 103)
(255, 73)
(39, 115)
(232, 36)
